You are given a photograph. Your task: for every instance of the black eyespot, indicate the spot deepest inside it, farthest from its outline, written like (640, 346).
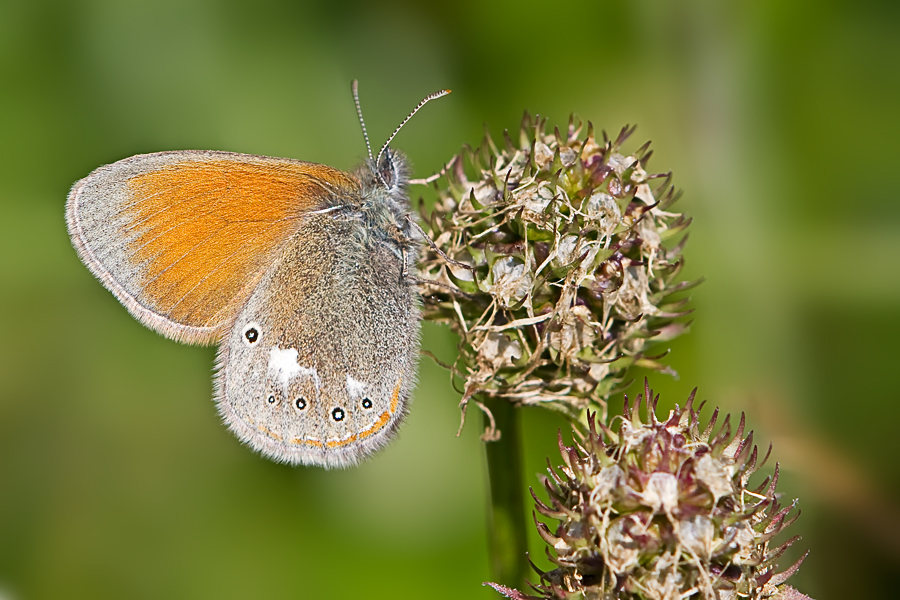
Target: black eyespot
(252, 335)
(271, 400)
(300, 403)
(366, 403)
(337, 414)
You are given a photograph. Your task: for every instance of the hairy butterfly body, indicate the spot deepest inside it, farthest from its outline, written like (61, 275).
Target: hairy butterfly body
(299, 271)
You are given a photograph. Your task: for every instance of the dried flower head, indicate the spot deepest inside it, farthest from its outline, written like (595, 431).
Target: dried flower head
(662, 510)
(555, 260)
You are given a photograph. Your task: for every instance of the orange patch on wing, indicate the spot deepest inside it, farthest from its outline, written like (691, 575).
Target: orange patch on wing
(204, 231)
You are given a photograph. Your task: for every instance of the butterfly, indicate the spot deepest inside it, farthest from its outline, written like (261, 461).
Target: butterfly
(301, 273)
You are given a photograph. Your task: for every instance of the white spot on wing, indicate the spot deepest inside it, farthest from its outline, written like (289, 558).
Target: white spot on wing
(355, 387)
(284, 363)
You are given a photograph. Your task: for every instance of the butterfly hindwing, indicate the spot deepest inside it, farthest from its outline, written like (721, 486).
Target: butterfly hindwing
(321, 360)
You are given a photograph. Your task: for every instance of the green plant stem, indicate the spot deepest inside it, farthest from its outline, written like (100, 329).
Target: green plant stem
(507, 533)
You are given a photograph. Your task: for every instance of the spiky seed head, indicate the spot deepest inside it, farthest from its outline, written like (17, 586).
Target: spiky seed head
(651, 509)
(555, 259)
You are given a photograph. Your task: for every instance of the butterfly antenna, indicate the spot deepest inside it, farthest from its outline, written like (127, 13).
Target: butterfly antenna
(355, 88)
(424, 101)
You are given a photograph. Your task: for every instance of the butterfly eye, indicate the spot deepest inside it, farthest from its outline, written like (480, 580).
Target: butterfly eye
(251, 334)
(338, 414)
(387, 171)
(387, 175)
(366, 403)
(300, 403)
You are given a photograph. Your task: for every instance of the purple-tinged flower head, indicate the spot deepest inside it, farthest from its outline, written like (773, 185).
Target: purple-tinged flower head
(662, 510)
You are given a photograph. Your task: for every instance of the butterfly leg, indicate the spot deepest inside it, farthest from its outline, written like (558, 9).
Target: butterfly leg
(434, 247)
(404, 259)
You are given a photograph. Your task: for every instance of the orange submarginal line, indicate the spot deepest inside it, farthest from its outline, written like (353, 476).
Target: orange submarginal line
(376, 426)
(343, 442)
(395, 397)
(271, 434)
(307, 442)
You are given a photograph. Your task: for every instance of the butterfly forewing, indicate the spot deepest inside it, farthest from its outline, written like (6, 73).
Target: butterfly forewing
(182, 238)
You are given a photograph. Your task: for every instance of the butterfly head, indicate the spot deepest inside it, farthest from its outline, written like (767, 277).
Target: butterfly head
(391, 172)
(390, 168)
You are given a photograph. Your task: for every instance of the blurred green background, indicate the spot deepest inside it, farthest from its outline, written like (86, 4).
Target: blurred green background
(779, 118)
